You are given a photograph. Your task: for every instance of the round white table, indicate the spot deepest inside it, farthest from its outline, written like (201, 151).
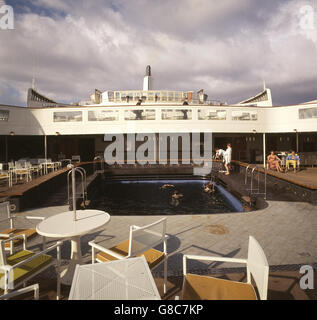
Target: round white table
(63, 225)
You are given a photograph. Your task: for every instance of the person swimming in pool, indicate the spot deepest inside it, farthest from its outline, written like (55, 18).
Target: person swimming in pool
(209, 188)
(167, 185)
(175, 198)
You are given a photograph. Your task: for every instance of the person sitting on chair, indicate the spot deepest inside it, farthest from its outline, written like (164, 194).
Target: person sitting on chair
(273, 162)
(293, 160)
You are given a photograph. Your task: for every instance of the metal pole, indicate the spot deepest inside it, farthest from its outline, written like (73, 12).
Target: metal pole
(297, 145)
(45, 147)
(264, 150)
(6, 149)
(74, 191)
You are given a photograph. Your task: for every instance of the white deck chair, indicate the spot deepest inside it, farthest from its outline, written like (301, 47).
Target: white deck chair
(22, 266)
(11, 230)
(210, 288)
(5, 175)
(142, 241)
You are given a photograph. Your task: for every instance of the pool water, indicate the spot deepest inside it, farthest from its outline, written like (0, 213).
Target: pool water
(163, 197)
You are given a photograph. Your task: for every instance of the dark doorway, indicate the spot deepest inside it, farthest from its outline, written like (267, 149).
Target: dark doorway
(87, 149)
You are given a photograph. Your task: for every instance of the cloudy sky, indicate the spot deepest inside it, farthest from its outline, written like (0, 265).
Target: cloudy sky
(225, 47)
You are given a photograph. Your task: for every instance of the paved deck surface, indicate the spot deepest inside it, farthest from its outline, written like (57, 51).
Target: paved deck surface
(285, 230)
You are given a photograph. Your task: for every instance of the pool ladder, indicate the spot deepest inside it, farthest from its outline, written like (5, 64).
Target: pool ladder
(249, 172)
(83, 194)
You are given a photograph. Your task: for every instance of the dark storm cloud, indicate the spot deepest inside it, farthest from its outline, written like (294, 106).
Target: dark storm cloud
(226, 47)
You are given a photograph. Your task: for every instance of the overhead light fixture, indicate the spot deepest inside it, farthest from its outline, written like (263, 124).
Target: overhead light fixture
(254, 131)
(11, 133)
(295, 130)
(57, 133)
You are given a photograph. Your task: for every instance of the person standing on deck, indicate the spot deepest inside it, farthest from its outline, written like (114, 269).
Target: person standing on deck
(227, 158)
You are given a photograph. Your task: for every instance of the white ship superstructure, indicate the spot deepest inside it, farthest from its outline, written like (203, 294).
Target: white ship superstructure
(79, 129)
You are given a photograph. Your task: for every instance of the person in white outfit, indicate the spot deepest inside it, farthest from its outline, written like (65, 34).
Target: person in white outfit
(220, 154)
(227, 158)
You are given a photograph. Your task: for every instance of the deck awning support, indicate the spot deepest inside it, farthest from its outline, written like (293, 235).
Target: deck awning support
(45, 146)
(6, 149)
(264, 150)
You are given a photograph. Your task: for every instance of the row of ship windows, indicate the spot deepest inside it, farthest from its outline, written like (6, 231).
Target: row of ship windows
(166, 114)
(149, 114)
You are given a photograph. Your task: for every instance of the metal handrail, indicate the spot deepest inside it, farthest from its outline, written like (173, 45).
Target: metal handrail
(246, 173)
(252, 189)
(83, 175)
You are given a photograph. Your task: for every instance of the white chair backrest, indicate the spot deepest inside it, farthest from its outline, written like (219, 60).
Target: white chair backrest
(33, 161)
(76, 158)
(147, 237)
(39, 161)
(258, 266)
(11, 165)
(1, 166)
(4, 211)
(20, 164)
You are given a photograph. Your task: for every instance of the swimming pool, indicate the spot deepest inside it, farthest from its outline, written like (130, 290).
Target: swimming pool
(163, 197)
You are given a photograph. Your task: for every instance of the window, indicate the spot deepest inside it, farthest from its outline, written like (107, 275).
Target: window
(68, 116)
(244, 115)
(211, 114)
(103, 115)
(151, 96)
(4, 115)
(139, 114)
(176, 114)
(110, 95)
(308, 113)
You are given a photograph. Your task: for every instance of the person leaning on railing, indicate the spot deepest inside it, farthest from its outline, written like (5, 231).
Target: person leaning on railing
(292, 159)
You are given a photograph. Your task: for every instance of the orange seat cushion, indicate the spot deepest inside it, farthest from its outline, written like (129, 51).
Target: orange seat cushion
(28, 232)
(197, 287)
(152, 256)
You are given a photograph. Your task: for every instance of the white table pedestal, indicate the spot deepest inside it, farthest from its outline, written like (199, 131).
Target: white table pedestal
(64, 226)
(75, 258)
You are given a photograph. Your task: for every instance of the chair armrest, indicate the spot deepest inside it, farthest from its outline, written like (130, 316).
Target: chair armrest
(111, 253)
(22, 235)
(56, 245)
(210, 258)
(6, 235)
(34, 218)
(34, 287)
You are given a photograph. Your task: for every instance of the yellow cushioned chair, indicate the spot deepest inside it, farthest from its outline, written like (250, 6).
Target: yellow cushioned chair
(142, 241)
(197, 287)
(18, 268)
